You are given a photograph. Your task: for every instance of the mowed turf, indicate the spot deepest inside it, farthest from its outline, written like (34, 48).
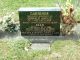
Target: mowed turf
(9, 6)
(14, 49)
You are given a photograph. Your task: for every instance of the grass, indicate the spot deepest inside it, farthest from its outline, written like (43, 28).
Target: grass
(14, 50)
(68, 49)
(60, 50)
(13, 5)
(9, 6)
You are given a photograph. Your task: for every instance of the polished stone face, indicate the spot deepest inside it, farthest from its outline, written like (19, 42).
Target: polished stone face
(40, 21)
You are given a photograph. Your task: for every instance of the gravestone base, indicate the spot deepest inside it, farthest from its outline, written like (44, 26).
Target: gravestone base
(40, 39)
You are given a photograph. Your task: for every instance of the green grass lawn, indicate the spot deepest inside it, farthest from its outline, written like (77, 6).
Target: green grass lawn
(8, 6)
(60, 50)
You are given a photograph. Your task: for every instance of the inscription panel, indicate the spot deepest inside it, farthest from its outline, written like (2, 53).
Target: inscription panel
(39, 23)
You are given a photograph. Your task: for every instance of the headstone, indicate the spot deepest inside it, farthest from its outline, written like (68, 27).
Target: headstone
(40, 21)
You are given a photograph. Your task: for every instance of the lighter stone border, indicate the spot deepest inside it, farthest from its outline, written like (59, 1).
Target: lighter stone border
(40, 9)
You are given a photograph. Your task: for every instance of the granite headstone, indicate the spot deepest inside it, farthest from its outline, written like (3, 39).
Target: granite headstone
(40, 21)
